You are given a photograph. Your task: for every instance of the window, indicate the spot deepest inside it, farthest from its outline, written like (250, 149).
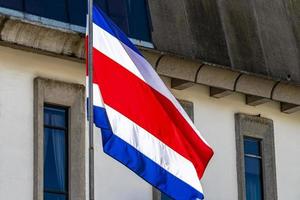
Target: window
(59, 140)
(189, 109)
(132, 16)
(256, 168)
(55, 153)
(253, 171)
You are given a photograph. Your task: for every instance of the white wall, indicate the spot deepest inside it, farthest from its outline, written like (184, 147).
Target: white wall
(213, 117)
(215, 120)
(17, 71)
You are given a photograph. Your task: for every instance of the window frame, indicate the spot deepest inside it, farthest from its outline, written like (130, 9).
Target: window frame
(257, 127)
(66, 130)
(72, 96)
(257, 157)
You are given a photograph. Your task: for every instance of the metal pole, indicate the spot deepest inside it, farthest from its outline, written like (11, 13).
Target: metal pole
(90, 101)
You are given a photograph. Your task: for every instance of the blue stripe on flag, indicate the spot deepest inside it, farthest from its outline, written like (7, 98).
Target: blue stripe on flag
(103, 120)
(103, 21)
(140, 164)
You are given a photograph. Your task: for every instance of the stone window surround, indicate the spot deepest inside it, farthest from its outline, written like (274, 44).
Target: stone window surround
(260, 128)
(70, 95)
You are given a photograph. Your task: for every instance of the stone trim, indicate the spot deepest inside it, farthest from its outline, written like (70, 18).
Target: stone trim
(253, 85)
(188, 106)
(261, 128)
(43, 38)
(72, 96)
(156, 194)
(181, 68)
(28, 36)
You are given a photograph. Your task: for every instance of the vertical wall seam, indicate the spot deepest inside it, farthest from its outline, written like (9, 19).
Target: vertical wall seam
(236, 81)
(197, 73)
(157, 62)
(273, 89)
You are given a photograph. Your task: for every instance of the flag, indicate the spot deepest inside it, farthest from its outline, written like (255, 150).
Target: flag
(142, 124)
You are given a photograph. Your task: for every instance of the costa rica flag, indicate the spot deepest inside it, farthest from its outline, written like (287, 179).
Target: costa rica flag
(142, 124)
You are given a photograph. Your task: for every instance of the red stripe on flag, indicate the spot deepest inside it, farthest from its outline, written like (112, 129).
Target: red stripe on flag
(126, 93)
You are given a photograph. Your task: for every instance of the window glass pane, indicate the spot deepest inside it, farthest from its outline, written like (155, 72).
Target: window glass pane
(139, 25)
(103, 4)
(50, 196)
(252, 167)
(253, 171)
(13, 4)
(117, 11)
(252, 146)
(60, 8)
(54, 9)
(55, 117)
(77, 12)
(54, 160)
(253, 178)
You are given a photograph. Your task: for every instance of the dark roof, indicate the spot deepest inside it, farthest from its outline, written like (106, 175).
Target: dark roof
(261, 37)
(256, 36)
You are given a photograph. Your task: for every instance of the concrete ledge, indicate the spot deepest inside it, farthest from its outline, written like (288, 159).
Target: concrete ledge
(179, 68)
(255, 100)
(152, 57)
(289, 108)
(184, 72)
(254, 85)
(217, 77)
(287, 93)
(179, 84)
(218, 93)
(42, 38)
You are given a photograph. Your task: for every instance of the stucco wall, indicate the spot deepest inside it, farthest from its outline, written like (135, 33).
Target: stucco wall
(214, 118)
(17, 71)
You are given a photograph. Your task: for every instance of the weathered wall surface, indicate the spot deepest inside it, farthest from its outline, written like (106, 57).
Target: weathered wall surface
(255, 36)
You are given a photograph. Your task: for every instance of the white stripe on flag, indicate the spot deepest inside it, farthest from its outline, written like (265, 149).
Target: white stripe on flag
(123, 55)
(153, 148)
(97, 98)
(112, 48)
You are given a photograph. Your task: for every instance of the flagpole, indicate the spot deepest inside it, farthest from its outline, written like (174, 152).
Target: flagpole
(90, 100)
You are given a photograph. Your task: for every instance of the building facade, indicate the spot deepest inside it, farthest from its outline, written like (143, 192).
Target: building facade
(234, 66)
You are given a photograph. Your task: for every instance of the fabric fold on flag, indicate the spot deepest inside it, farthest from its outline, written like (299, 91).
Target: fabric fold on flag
(142, 124)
